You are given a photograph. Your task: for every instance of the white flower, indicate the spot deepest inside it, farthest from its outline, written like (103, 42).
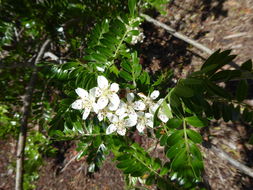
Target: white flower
(107, 94)
(103, 113)
(137, 105)
(154, 106)
(162, 115)
(144, 119)
(101, 69)
(149, 100)
(130, 106)
(119, 123)
(86, 102)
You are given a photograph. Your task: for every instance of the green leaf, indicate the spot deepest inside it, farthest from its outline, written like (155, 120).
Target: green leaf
(98, 58)
(226, 75)
(195, 151)
(125, 75)
(126, 66)
(180, 159)
(247, 65)
(173, 150)
(166, 109)
(247, 115)
(165, 169)
(131, 6)
(194, 136)
(125, 163)
(175, 137)
(183, 91)
(226, 112)
(196, 121)
(213, 88)
(174, 123)
(192, 81)
(216, 61)
(217, 108)
(211, 60)
(242, 90)
(134, 32)
(163, 140)
(150, 180)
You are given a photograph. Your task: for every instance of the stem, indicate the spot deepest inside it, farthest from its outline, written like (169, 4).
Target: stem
(121, 41)
(27, 100)
(187, 147)
(148, 166)
(180, 36)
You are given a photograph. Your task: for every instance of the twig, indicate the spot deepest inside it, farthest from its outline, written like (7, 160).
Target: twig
(224, 156)
(69, 162)
(27, 99)
(183, 37)
(177, 34)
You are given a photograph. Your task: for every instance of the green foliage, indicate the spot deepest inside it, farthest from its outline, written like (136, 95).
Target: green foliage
(98, 38)
(8, 124)
(160, 5)
(38, 146)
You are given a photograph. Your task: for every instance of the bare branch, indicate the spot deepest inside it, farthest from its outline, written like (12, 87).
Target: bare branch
(224, 156)
(183, 37)
(27, 99)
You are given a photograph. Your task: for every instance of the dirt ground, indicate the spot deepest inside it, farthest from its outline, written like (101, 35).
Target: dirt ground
(218, 24)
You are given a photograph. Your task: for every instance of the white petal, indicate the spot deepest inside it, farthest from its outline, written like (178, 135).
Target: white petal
(153, 108)
(98, 92)
(114, 99)
(110, 116)
(160, 101)
(112, 107)
(95, 107)
(110, 129)
(130, 97)
(140, 127)
(121, 117)
(100, 116)
(82, 93)
(101, 69)
(92, 92)
(142, 95)
(114, 87)
(149, 115)
(121, 131)
(77, 105)
(86, 113)
(120, 111)
(150, 123)
(131, 121)
(102, 82)
(140, 114)
(154, 94)
(102, 102)
(139, 105)
(163, 117)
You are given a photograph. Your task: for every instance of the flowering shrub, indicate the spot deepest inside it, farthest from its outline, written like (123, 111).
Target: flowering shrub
(98, 45)
(104, 102)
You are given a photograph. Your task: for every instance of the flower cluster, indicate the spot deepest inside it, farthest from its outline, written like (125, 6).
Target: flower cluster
(104, 101)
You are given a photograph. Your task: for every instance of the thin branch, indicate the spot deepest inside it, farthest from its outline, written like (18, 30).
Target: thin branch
(180, 36)
(69, 162)
(27, 100)
(224, 156)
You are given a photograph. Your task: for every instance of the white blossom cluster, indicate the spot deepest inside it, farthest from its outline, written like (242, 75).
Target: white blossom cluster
(140, 37)
(130, 111)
